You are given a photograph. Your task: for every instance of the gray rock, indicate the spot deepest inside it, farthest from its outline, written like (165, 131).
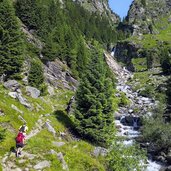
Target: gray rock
(99, 151)
(58, 144)
(13, 94)
(168, 168)
(16, 109)
(2, 112)
(12, 85)
(61, 159)
(29, 156)
(23, 101)
(50, 128)
(42, 165)
(57, 74)
(50, 90)
(52, 152)
(33, 92)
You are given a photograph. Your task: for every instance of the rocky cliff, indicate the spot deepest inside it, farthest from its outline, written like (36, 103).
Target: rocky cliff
(100, 6)
(143, 15)
(149, 22)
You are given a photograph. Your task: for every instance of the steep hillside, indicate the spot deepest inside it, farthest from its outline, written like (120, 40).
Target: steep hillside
(150, 28)
(102, 7)
(44, 58)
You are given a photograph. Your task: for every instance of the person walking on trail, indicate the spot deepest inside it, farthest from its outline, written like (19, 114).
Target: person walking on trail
(20, 139)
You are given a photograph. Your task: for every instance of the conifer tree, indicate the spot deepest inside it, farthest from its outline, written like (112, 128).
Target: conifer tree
(27, 11)
(94, 111)
(36, 77)
(11, 42)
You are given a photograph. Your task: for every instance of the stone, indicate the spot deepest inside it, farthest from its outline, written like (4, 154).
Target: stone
(61, 159)
(2, 112)
(12, 85)
(29, 156)
(57, 74)
(168, 168)
(33, 92)
(58, 144)
(42, 165)
(50, 90)
(16, 108)
(168, 158)
(100, 151)
(13, 94)
(23, 101)
(50, 128)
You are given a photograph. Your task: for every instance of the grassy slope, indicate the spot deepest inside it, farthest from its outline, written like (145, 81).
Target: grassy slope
(77, 154)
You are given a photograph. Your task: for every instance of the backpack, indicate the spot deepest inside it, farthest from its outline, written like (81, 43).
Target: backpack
(19, 138)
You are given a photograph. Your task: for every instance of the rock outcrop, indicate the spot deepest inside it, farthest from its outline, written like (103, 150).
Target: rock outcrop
(100, 6)
(58, 76)
(143, 14)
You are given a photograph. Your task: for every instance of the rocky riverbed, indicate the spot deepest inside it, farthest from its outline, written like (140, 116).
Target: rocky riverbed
(128, 119)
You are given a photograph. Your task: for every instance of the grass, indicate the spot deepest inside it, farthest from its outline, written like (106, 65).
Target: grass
(77, 154)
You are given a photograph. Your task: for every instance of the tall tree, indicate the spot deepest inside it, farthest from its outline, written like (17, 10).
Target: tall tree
(11, 40)
(36, 77)
(94, 111)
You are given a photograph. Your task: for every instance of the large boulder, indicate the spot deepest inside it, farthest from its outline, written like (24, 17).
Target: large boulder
(12, 85)
(33, 92)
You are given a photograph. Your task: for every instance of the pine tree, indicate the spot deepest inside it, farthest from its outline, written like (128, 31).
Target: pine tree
(26, 10)
(11, 40)
(36, 77)
(94, 111)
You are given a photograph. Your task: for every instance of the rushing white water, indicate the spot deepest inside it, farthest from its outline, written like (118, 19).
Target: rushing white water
(129, 133)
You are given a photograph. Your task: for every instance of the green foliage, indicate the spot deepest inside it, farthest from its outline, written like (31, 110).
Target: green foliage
(143, 2)
(26, 10)
(64, 30)
(140, 64)
(36, 77)
(123, 100)
(94, 109)
(123, 158)
(11, 40)
(159, 133)
(2, 134)
(165, 60)
(148, 91)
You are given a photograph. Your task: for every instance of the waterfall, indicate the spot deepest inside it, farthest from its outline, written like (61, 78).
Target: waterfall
(113, 51)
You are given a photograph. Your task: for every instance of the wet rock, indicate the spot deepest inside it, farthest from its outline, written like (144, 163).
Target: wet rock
(33, 92)
(42, 165)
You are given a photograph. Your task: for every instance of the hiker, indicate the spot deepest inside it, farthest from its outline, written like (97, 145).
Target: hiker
(20, 139)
